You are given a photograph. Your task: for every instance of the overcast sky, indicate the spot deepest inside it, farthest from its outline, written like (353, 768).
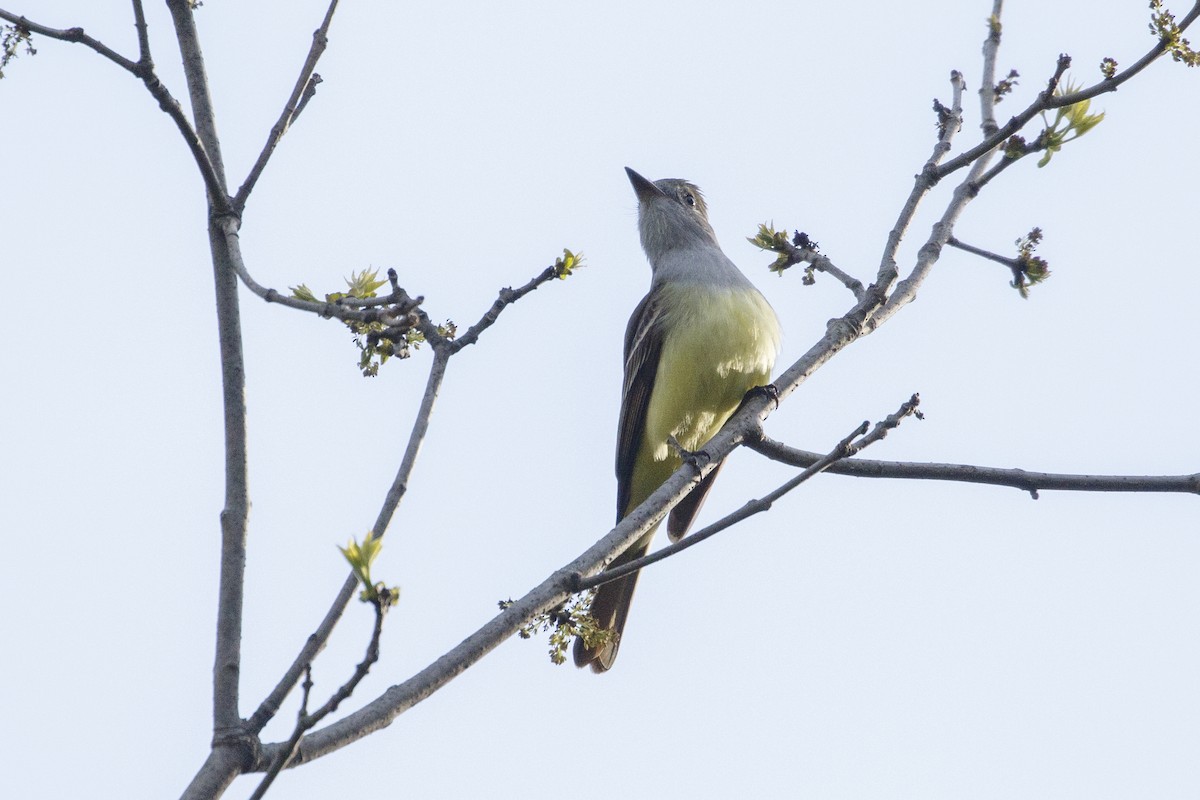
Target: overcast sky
(865, 639)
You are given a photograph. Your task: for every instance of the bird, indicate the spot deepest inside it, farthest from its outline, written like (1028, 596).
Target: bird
(695, 345)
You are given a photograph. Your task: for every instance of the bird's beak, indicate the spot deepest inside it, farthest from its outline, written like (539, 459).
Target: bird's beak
(642, 187)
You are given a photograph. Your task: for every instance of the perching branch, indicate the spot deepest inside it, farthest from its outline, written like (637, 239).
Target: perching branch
(855, 442)
(304, 89)
(1025, 480)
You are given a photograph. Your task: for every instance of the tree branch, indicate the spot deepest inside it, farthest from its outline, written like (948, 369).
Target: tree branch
(1011, 263)
(304, 88)
(802, 250)
(1025, 480)
(73, 35)
(145, 62)
(846, 448)
(1112, 84)
(144, 70)
(347, 309)
(506, 298)
(906, 290)
(949, 125)
(987, 80)
(227, 662)
(1047, 100)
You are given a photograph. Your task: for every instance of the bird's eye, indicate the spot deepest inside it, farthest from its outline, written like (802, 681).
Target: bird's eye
(689, 199)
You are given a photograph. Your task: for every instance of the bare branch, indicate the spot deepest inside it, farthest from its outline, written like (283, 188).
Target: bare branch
(145, 62)
(304, 89)
(379, 309)
(987, 83)
(906, 290)
(227, 722)
(144, 70)
(1031, 482)
(1009, 158)
(74, 35)
(380, 712)
(822, 263)
(505, 299)
(197, 83)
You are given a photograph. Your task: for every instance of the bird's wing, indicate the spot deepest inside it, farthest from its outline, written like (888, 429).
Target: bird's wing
(643, 346)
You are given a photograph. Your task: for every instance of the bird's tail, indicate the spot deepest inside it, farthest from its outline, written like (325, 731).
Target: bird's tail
(610, 608)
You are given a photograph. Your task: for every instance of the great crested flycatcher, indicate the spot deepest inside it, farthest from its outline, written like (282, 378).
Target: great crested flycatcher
(701, 339)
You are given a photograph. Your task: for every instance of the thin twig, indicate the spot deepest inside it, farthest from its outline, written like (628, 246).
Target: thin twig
(987, 83)
(1112, 84)
(1011, 263)
(888, 269)
(202, 107)
(506, 298)
(305, 721)
(807, 253)
(906, 290)
(1004, 163)
(822, 263)
(145, 62)
(305, 87)
(348, 309)
(310, 91)
(74, 35)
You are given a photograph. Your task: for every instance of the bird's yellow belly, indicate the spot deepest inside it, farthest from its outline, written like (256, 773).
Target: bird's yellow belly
(717, 348)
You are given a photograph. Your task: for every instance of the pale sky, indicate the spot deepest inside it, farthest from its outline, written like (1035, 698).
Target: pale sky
(865, 639)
